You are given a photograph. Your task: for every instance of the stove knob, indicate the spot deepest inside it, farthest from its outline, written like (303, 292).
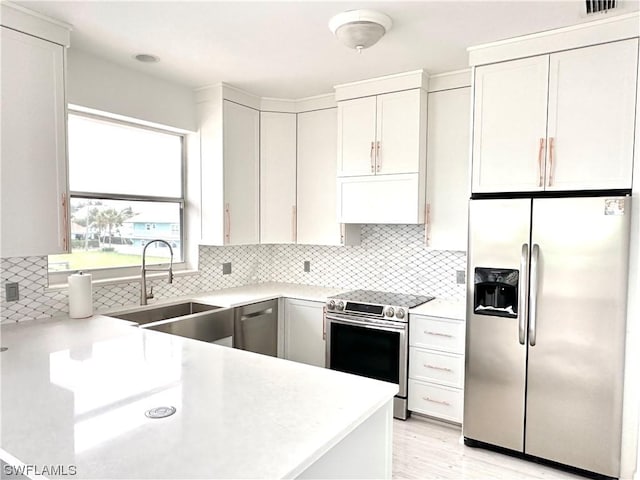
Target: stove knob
(389, 312)
(400, 314)
(331, 305)
(340, 306)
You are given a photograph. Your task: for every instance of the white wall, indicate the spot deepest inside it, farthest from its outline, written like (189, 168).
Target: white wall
(101, 85)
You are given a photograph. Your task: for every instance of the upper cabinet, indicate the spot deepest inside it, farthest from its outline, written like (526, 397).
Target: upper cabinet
(229, 170)
(448, 167)
(380, 135)
(277, 177)
(381, 145)
(563, 121)
(316, 182)
(34, 187)
(241, 127)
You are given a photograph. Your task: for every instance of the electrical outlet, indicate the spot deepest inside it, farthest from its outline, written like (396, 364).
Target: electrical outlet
(226, 268)
(461, 277)
(12, 292)
(307, 266)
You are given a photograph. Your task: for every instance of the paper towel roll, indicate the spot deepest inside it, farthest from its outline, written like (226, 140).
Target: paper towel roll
(80, 295)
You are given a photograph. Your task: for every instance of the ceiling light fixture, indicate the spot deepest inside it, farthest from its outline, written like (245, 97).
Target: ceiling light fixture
(360, 29)
(146, 58)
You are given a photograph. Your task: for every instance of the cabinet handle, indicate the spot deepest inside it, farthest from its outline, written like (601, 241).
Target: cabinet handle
(65, 223)
(371, 158)
(540, 157)
(441, 402)
(294, 223)
(438, 334)
(378, 157)
(427, 225)
(551, 142)
(227, 223)
(435, 367)
(324, 323)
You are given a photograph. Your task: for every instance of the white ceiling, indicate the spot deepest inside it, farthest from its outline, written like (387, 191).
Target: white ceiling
(285, 50)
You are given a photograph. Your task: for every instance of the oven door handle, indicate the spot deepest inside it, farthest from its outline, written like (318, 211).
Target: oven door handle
(373, 324)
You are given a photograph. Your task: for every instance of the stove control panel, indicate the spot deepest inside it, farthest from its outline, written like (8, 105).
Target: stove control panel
(379, 311)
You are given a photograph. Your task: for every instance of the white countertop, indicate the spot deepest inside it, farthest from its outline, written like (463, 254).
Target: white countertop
(74, 392)
(441, 308)
(236, 296)
(231, 297)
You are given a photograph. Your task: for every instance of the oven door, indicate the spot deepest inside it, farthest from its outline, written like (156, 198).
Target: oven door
(375, 350)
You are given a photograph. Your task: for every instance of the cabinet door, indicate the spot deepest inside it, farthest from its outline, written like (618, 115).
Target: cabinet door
(316, 202)
(401, 121)
(241, 134)
(592, 98)
(34, 167)
(304, 332)
(381, 199)
(448, 168)
(277, 177)
(509, 125)
(356, 136)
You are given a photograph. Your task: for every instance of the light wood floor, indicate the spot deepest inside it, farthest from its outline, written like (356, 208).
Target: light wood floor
(425, 449)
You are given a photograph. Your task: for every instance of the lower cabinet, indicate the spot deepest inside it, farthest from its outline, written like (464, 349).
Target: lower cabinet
(304, 332)
(436, 367)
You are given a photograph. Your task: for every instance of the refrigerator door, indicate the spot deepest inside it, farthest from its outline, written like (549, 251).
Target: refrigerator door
(574, 383)
(495, 359)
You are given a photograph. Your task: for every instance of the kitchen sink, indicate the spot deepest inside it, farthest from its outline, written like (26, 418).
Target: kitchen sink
(214, 326)
(164, 312)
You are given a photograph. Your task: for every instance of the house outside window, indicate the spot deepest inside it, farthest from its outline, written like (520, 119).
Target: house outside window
(126, 189)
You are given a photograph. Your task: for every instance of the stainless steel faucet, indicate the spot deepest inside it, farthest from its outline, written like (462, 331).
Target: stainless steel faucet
(144, 296)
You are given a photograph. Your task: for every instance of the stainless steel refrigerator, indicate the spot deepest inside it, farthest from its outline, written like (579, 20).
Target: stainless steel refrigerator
(546, 314)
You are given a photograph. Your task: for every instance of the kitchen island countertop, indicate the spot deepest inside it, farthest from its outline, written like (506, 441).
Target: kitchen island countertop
(75, 392)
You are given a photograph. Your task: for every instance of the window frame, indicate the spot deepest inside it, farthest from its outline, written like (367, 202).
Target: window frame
(127, 273)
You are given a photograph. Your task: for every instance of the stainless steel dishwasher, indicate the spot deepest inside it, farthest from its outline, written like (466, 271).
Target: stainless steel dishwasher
(255, 328)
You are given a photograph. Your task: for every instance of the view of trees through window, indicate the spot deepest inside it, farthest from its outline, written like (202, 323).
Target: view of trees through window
(126, 190)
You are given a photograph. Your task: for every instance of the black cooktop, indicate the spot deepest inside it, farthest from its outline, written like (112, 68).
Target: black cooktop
(383, 298)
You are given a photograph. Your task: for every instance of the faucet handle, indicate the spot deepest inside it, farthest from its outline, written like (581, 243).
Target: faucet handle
(150, 294)
(170, 276)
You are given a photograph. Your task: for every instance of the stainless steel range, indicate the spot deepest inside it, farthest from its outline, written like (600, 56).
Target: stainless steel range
(368, 334)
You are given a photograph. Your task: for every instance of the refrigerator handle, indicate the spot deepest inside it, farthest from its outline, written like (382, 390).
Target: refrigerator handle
(533, 294)
(522, 292)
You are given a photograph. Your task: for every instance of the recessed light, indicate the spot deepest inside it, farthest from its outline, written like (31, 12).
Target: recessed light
(146, 58)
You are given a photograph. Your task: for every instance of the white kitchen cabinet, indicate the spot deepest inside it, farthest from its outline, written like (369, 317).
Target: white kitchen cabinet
(448, 168)
(591, 117)
(305, 332)
(277, 177)
(562, 121)
(382, 157)
(229, 172)
(436, 367)
(34, 187)
(381, 199)
(317, 222)
(383, 134)
(357, 136)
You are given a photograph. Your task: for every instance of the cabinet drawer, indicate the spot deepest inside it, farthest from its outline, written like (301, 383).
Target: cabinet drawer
(436, 401)
(442, 368)
(437, 333)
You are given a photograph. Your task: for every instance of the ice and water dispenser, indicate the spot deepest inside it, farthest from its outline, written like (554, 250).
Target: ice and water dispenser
(496, 292)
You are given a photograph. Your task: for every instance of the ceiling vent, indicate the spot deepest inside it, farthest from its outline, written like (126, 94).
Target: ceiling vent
(600, 6)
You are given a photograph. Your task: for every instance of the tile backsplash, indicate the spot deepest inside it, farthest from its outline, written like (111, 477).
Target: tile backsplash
(391, 257)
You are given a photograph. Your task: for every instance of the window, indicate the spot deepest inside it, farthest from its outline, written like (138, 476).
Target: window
(126, 188)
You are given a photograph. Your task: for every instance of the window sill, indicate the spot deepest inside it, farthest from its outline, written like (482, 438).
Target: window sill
(57, 286)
